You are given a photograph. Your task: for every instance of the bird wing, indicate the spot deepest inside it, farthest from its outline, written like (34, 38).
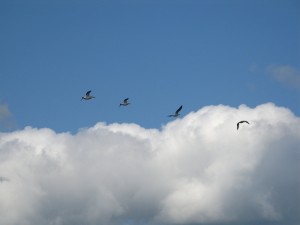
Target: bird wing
(88, 93)
(178, 110)
(237, 126)
(125, 100)
(244, 121)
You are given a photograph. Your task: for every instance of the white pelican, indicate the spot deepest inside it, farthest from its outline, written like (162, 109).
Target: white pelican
(88, 96)
(177, 112)
(238, 124)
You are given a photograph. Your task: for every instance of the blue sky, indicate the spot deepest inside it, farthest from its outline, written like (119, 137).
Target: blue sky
(67, 161)
(160, 54)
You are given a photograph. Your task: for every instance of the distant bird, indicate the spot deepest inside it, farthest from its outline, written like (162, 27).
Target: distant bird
(176, 113)
(88, 96)
(125, 102)
(238, 124)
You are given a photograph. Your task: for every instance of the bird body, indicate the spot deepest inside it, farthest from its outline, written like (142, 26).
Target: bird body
(176, 113)
(238, 124)
(125, 102)
(88, 96)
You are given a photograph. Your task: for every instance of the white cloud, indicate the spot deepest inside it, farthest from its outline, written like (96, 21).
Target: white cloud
(195, 170)
(287, 75)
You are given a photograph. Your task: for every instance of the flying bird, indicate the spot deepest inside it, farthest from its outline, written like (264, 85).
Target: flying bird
(176, 113)
(238, 124)
(125, 102)
(88, 96)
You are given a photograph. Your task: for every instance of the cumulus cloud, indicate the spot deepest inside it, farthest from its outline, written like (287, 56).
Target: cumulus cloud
(287, 75)
(195, 170)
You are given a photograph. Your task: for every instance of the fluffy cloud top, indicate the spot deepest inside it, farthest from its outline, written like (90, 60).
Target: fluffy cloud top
(196, 170)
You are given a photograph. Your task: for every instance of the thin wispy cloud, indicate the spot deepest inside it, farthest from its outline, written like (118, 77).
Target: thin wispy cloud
(287, 75)
(6, 118)
(198, 169)
(4, 112)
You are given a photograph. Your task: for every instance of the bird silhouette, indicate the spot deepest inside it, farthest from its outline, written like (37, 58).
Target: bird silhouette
(125, 102)
(88, 96)
(176, 113)
(238, 124)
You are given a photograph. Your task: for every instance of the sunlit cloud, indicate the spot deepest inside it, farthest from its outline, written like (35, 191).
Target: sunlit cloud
(197, 169)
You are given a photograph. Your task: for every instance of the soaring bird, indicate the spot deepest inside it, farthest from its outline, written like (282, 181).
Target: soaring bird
(125, 102)
(176, 113)
(238, 124)
(88, 96)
